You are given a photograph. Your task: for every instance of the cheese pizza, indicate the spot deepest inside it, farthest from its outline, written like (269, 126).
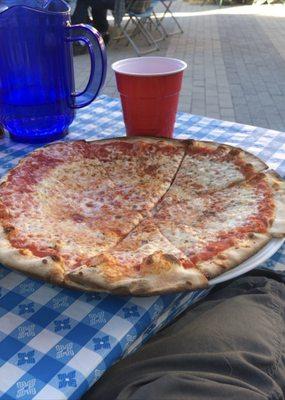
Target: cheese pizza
(137, 216)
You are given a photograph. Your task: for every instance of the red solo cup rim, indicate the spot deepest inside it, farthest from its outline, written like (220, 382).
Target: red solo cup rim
(149, 66)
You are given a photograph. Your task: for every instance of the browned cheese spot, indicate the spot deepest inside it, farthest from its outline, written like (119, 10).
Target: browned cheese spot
(55, 258)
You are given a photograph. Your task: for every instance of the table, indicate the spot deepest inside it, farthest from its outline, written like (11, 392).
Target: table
(55, 343)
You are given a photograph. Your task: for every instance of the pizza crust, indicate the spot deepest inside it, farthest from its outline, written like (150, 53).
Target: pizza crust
(75, 285)
(233, 256)
(277, 184)
(258, 164)
(24, 261)
(43, 268)
(145, 139)
(249, 158)
(166, 275)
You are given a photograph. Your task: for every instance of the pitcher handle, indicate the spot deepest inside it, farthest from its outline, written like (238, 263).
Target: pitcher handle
(95, 44)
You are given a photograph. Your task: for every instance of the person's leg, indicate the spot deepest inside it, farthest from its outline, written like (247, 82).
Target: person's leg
(231, 345)
(80, 15)
(99, 14)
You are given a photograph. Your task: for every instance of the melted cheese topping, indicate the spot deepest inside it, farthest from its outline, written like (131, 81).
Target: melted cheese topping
(181, 208)
(73, 199)
(142, 242)
(226, 211)
(206, 174)
(144, 173)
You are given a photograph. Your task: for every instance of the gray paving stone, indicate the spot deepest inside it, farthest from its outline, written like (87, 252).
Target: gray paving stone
(212, 108)
(227, 111)
(199, 103)
(279, 103)
(274, 89)
(238, 101)
(212, 100)
(236, 90)
(248, 88)
(266, 99)
(198, 97)
(198, 83)
(223, 87)
(197, 110)
(198, 89)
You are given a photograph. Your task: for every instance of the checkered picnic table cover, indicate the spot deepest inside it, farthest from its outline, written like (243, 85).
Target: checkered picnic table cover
(55, 343)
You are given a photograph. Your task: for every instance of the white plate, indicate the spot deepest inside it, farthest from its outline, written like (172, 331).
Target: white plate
(262, 255)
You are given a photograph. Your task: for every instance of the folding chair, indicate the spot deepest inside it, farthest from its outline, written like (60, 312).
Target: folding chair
(158, 22)
(167, 11)
(140, 13)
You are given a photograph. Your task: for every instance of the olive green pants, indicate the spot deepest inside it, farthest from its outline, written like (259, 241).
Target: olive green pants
(229, 346)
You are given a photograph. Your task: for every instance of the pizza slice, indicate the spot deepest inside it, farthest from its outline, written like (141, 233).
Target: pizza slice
(208, 167)
(235, 223)
(144, 263)
(59, 205)
(141, 168)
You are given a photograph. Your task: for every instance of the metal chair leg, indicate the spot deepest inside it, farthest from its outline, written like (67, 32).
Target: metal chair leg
(139, 27)
(146, 35)
(167, 5)
(158, 25)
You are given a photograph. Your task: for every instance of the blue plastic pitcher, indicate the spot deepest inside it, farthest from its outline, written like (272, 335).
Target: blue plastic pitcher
(37, 94)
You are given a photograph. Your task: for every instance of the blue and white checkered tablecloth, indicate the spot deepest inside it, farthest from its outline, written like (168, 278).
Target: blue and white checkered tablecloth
(55, 343)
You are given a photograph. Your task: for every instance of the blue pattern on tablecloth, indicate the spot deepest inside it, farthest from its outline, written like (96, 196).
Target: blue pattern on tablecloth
(55, 343)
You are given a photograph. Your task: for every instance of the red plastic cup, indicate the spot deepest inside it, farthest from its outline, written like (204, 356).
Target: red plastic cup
(149, 89)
